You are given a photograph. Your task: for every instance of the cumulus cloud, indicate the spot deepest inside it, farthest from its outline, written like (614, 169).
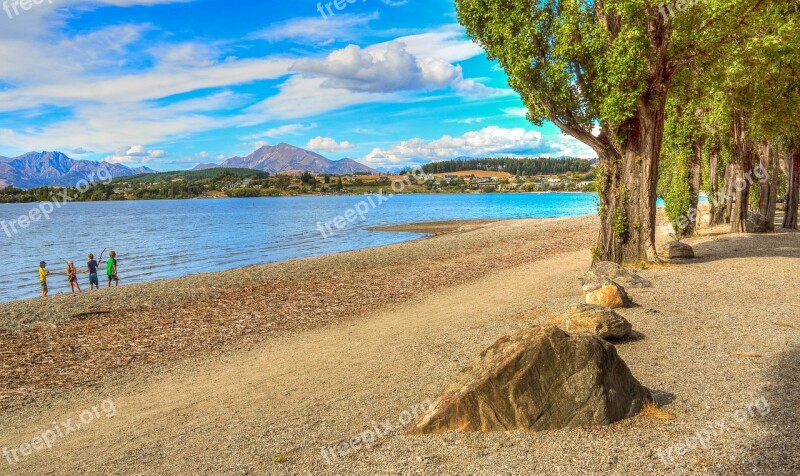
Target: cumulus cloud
(136, 154)
(326, 144)
(388, 69)
(489, 141)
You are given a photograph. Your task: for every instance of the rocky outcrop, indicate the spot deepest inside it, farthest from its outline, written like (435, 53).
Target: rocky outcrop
(610, 295)
(758, 223)
(537, 379)
(677, 249)
(604, 271)
(597, 320)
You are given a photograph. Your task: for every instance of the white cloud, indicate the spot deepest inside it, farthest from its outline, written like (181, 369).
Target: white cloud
(388, 69)
(280, 131)
(305, 97)
(468, 120)
(136, 154)
(488, 141)
(516, 111)
(314, 30)
(326, 144)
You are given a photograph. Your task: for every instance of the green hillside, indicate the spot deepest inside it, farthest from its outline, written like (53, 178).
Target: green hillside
(192, 175)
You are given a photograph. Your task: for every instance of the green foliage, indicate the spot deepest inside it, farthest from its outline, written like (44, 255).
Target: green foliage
(682, 131)
(514, 166)
(218, 174)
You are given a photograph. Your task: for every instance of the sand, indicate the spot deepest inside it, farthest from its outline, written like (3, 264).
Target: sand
(721, 335)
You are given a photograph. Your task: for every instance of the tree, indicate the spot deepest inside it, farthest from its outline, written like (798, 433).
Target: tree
(606, 63)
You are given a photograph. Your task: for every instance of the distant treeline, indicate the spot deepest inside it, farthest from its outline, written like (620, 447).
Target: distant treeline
(514, 166)
(215, 174)
(159, 186)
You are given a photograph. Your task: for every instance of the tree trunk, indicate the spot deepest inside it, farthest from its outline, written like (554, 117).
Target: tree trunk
(768, 186)
(715, 201)
(742, 174)
(695, 182)
(793, 190)
(730, 176)
(628, 194)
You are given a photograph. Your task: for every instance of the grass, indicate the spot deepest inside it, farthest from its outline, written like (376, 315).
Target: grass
(750, 355)
(784, 325)
(653, 412)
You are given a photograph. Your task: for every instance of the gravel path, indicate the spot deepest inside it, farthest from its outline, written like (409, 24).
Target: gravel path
(721, 343)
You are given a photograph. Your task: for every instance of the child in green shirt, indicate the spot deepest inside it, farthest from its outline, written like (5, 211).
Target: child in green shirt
(111, 269)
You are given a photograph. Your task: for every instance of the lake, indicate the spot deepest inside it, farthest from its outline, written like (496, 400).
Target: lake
(171, 238)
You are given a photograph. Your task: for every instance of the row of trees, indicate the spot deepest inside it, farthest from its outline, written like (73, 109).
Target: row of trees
(674, 96)
(514, 166)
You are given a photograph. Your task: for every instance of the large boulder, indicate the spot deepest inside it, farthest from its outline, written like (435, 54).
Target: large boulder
(758, 223)
(610, 295)
(677, 249)
(600, 321)
(537, 379)
(604, 271)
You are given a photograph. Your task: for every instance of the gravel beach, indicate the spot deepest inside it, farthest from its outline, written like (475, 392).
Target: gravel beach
(263, 370)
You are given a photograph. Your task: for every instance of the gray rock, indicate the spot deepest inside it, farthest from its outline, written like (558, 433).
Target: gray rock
(538, 379)
(604, 271)
(677, 249)
(758, 223)
(600, 321)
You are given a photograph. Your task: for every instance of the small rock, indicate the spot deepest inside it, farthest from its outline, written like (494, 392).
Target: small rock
(677, 249)
(610, 295)
(597, 320)
(604, 271)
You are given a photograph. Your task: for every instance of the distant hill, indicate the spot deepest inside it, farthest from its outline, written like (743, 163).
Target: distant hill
(285, 158)
(39, 169)
(191, 175)
(205, 166)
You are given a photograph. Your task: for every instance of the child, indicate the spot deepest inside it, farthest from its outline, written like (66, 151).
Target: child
(111, 269)
(72, 277)
(43, 274)
(91, 268)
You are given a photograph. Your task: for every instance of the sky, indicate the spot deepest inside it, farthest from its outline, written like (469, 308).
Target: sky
(173, 83)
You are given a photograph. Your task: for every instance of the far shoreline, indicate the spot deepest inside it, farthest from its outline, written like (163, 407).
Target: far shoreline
(315, 195)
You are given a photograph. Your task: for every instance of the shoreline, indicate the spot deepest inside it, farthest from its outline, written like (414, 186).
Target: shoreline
(173, 319)
(438, 228)
(310, 195)
(423, 229)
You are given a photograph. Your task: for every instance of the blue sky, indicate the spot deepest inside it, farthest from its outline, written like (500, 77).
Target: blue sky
(170, 84)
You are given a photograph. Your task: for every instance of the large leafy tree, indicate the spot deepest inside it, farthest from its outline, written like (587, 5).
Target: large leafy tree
(609, 63)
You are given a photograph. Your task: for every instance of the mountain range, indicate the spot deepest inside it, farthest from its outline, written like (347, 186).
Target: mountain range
(285, 158)
(39, 169)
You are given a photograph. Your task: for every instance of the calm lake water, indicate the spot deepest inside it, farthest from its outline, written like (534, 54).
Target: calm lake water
(171, 238)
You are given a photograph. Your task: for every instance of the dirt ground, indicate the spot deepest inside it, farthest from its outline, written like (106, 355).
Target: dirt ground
(720, 350)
